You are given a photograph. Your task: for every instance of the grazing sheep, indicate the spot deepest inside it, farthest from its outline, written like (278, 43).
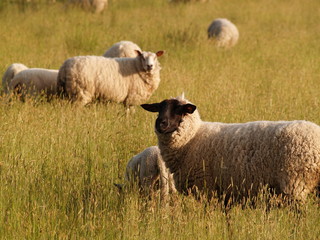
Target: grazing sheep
(124, 80)
(224, 32)
(187, 1)
(237, 159)
(148, 170)
(122, 49)
(96, 6)
(11, 71)
(34, 82)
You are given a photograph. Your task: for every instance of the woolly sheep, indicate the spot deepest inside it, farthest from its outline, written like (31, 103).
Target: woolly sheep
(35, 81)
(148, 170)
(237, 159)
(186, 1)
(224, 32)
(122, 49)
(11, 71)
(96, 6)
(124, 80)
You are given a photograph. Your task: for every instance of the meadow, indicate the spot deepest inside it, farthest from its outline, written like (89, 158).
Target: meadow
(59, 162)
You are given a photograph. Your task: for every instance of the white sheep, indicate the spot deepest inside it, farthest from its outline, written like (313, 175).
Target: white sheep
(237, 159)
(187, 1)
(148, 170)
(96, 6)
(224, 32)
(34, 82)
(124, 80)
(122, 49)
(11, 71)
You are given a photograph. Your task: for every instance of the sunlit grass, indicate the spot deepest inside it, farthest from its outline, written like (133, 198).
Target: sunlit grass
(58, 162)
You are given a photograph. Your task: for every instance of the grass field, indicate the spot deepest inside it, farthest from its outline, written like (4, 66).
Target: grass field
(58, 162)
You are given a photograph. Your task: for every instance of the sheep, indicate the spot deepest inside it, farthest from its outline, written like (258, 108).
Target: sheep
(97, 6)
(148, 170)
(11, 71)
(122, 49)
(34, 82)
(187, 1)
(224, 32)
(237, 160)
(130, 81)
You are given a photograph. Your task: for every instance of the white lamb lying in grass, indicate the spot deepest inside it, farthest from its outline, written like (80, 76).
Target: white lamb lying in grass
(148, 170)
(237, 159)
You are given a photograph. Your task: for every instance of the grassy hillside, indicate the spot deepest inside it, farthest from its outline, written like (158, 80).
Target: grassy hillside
(58, 162)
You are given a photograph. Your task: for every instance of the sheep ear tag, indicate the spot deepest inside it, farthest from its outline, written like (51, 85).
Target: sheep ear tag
(155, 107)
(189, 108)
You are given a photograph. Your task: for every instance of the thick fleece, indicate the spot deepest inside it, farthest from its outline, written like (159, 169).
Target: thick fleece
(35, 81)
(122, 49)
(11, 71)
(224, 32)
(122, 80)
(239, 158)
(148, 170)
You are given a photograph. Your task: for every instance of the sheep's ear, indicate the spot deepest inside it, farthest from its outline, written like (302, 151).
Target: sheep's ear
(155, 107)
(138, 53)
(159, 53)
(188, 108)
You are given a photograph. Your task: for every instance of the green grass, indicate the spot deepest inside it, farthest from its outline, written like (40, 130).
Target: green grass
(58, 162)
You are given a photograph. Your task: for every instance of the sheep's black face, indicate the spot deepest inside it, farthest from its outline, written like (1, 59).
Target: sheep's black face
(171, 114)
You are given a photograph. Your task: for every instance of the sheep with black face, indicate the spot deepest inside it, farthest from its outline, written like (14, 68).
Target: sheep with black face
(236, 159)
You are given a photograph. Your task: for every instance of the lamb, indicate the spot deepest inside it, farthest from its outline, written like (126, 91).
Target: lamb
(148, 170)
(123, 80)
(224, 32)
(122, 49)
(237, 159)
(34, 82)
(9, 74)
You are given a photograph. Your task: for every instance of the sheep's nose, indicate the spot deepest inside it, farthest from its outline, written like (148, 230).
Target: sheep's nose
(164, 124)
(149, 66)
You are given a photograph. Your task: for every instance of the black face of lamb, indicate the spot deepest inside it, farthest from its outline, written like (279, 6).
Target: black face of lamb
(171, 114)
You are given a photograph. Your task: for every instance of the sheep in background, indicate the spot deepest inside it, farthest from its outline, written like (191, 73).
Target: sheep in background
(34, 82)
(130, 81)
(11, 71)
(224, 32)
(122, 49)
(186, 1)
(237, 159)
(148, 170)
(97, 6)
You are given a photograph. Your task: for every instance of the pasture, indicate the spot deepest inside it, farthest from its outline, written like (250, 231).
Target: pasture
(59, 162)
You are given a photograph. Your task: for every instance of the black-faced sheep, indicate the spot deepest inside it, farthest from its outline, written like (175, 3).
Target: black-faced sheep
(237, 159)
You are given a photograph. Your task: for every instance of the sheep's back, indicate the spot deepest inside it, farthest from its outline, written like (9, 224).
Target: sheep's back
(36, 80)
(95, 76)
(250, 154)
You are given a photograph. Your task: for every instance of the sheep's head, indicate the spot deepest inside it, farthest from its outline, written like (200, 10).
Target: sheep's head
(171, 112)
(149, 59)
